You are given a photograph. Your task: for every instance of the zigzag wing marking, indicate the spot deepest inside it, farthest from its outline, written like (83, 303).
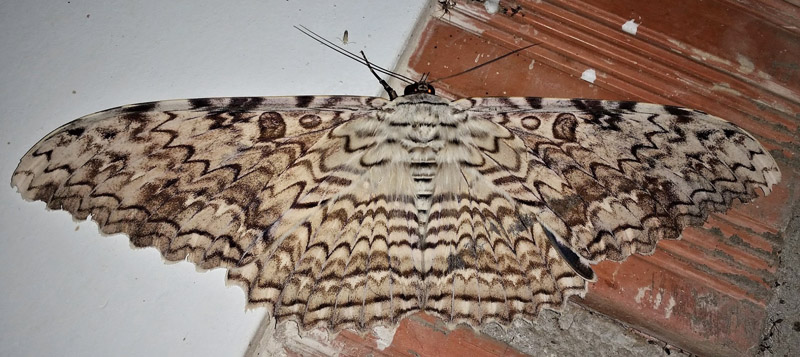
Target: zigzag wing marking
(353, 212)
(620, 176)
(270, 188)
(486, 252)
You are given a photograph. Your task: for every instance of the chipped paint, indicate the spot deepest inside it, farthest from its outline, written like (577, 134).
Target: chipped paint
(668, 309)
(630, 27)
(746, 66)
(384, 335)
(725, 88)
(657, 301)
(492, 6)
(708, 57)
(589, 75)
(530, 66)
(677, 43)
(640, 294)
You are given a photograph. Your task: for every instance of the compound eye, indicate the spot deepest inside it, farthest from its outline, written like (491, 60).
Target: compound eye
(428, 89)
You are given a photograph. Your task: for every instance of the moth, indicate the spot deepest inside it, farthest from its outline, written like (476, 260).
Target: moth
(353, 212)
(345, 38)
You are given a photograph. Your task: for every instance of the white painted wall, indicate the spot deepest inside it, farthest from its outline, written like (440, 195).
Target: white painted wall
(64, 288)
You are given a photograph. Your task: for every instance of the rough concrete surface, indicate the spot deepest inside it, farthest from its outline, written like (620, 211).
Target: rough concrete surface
(285, 339)
(577, 331)
(782, 328)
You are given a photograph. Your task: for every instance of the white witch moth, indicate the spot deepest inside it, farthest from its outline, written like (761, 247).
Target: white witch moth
(352, 212)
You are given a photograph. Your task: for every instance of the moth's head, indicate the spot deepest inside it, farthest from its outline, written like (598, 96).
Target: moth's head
(419, 87)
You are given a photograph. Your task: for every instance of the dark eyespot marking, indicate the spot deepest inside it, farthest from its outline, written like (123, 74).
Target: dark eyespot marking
(564, 127)
(272, 126)
(310, 121)
(531, 122)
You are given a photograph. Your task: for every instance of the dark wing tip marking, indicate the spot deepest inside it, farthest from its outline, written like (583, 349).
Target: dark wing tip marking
(303, 101)
(76, 131)
(200, 103)
(139, 108)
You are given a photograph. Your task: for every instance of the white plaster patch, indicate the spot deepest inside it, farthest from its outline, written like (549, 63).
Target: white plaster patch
(668, 309)
(640, 294)
(385, 336)
(657, 302)
(492, 6)
(630, 27)
(530, 66)
(589, 75)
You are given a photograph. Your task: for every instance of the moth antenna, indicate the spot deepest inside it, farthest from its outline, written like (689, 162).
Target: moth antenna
(327, 43)
(389, 89)
(484, 63)
(425, 77)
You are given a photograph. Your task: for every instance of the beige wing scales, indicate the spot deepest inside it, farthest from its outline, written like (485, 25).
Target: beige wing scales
(565, 183)
(487, 254)
(270, 188)
(351, 212)
(620, 176)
